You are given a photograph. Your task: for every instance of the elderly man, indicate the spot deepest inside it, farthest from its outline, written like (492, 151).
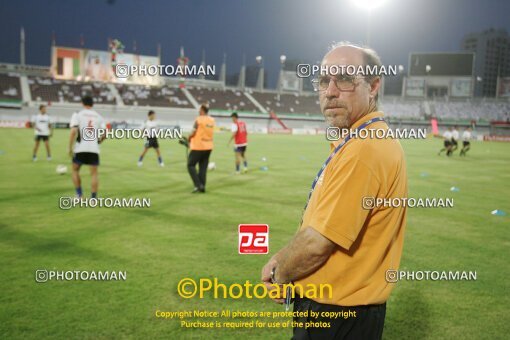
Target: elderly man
(342, 241)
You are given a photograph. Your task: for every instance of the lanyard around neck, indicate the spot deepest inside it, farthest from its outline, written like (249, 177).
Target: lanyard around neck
(348, 138)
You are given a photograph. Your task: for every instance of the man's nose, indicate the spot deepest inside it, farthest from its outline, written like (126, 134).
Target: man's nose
(332, 91)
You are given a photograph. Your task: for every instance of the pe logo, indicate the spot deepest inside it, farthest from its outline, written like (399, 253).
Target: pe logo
(253, 239)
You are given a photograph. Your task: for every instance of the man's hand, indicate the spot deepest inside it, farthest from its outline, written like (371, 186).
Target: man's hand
(70, 153)
(306, 253)
(271, 287)
(231, 138)
(193, 132)
(266, 278)
(266, 270)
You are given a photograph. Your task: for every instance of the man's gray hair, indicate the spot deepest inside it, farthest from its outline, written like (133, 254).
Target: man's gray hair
(370, 58)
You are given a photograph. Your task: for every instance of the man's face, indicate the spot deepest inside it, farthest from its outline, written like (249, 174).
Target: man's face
(43, 110)
(201, 112)
(343, 108)
(152, 117)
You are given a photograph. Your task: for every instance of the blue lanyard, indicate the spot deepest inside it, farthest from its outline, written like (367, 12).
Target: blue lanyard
(348, 138)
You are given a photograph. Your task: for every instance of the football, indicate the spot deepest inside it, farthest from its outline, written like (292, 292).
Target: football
(61, 169)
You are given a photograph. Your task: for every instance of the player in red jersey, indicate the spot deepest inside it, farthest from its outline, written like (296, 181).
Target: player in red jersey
(240, 137)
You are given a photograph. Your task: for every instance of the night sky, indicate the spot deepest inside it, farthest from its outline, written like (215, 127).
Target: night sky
(297, 28)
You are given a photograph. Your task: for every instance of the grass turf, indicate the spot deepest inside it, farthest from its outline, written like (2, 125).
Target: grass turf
(183, 235)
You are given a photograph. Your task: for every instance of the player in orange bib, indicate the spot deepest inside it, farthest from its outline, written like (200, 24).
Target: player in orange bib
(201, 145)
(240, 137)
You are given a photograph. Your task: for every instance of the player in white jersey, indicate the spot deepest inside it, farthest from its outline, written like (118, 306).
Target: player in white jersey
(455, 139)
(447, 136)
(84, 144)
(466, 145)
(152, 142)
(43, 131)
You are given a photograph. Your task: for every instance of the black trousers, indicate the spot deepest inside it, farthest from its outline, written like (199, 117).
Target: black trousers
(358, 322)
(202, 158)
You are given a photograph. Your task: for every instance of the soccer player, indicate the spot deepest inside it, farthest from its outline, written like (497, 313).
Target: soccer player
(447, 136)
(455, 139)
(43, 131)
(152, 142)
(201, 145)
(84, 144)
(239, 135)
(466, 145)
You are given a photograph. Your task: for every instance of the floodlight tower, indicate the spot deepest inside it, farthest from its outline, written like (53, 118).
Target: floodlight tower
(223, 70)
(428, 68)
(241, 82)
(260, 77)
(22, 47)
(283, 58)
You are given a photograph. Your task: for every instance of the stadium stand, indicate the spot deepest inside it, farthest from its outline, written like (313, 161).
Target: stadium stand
(289, 103)
(164, 96)
(25, 69)
(44, 88)
(400, 108)
(68, 91)
(473, 110)
(230, 100)
(10, 88)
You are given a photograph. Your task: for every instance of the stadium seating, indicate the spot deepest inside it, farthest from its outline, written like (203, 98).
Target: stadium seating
(289, 103)
(163, 96)
(68, 91)
(47, 89)
(10, 88)
(399, 108)
(472, 110)
(230, 100)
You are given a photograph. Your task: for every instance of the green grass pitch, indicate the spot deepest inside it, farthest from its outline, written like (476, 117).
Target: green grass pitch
(184, 235)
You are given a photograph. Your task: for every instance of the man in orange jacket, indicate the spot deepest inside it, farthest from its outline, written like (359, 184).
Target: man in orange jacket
(201, 145)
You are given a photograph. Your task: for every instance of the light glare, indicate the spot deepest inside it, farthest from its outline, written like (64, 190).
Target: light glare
(368, 4)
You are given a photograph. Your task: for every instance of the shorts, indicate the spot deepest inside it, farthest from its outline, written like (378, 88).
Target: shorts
(86, 158)
(362, 322)
(454, 142)
(465, 143)
(241, 149)
(447, 143)
(39, 137)
(152, 143)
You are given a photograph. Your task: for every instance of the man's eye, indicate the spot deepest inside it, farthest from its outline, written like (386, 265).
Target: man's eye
(344, 79)
(324, 81)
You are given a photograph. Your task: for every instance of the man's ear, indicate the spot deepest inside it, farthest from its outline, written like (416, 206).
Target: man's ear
(375, 85)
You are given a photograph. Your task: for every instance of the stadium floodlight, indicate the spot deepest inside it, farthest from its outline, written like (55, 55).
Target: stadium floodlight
(400, 68)
(283, 58)
(258, 59)
(368, 4)
(428, 68)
